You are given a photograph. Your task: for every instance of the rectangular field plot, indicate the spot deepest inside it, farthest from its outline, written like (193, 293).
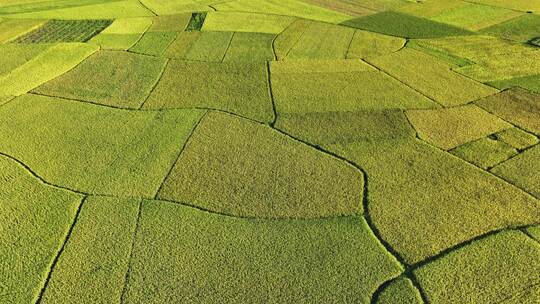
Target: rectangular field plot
(306, 92)
(170, 23)
(118, 79)
(94, 263)
(154, 43)
(344, 127)
(241, 88)
(246, 22)
(104, 10)
(474, 17)
(65, 31)
(432, 77)
(250, 47)
(47, 65)
(200, 46)
(295, 8)
(314, 40)
(233, 253)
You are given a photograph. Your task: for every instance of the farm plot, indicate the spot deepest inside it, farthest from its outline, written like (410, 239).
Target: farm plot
(516, 106)
(436, 80)
(511, 275)
(111, 78)
(522, 170)
(92, 148)
(246, 22)
(219, 171)
(451, 127)
(314, 40)
(122, 34)
(328, 259)
(95, 260)
(240, 88)
(408, 179)
(103, 10)
(531, 83)
(64, 31)
(294, 8)
(11, 29)
(269, 151)
(161, 34)
(403, 25)
(343, 127)
(523, 28)
(304, 88)
(47, 65)
(35, 219)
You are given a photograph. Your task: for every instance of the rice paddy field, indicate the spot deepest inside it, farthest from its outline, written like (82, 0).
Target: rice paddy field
(270, 151)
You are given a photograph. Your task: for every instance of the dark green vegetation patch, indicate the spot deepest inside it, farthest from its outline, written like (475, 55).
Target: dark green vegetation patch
(65, 31)
(196, 22)
(524, 28)
(219, 171)
(402, 25)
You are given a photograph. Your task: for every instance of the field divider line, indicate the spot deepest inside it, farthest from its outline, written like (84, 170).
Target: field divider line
(167, 61)
(179, 154)
(140, 38)
(349, 45)
(148, 8)
(376, 295)
(524, 230)
(463, 244)
(130, 258)
(276, 37)
(228, 47)
(271, 94)
(60, 251)
(41, 179)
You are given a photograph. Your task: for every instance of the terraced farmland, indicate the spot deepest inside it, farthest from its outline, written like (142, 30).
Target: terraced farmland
(269, 151)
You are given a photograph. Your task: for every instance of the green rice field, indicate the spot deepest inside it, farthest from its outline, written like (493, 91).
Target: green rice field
(269, 151)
